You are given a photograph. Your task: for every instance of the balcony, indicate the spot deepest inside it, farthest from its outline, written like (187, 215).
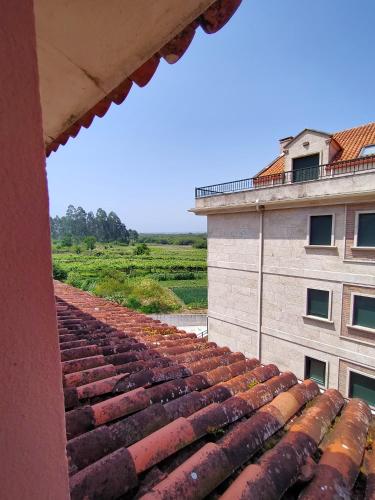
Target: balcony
(311, 174)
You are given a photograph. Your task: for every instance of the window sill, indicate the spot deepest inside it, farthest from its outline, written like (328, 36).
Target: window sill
(355, 260)
(317, 318)
(333, 247)
(363, 248)
(361, 328)
(322, 385)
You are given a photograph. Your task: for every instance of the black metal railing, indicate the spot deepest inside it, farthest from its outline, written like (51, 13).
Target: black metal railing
(315, 173)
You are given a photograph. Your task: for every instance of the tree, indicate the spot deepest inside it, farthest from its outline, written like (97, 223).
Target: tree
(58, 273)
(80, 223)
(101, 225)
(69, 219)
(53, 228)
(133, 235)
(67, 241)
(91, 224)
(116, 229)
(90, 242)
(77, 224)
(200, 243)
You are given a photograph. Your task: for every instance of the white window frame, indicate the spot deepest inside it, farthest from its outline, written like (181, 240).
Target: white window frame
(357, 214)
(359, 327)
(318, 318)
(364, 374)
(308, 242)
(325, 385)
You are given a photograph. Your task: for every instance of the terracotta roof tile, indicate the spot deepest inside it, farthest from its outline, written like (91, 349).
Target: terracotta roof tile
(342, 457)
(351, 141)
(155, 422)
(86, 376)
(109, 477)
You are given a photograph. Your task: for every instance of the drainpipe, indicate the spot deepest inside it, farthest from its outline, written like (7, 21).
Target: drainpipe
(260, 209)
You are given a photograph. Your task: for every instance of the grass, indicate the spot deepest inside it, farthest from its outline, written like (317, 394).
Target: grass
(166, 258)
(200, 282)
(170, 278)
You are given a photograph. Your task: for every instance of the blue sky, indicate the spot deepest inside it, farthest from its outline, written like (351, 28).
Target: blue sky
(277, 67)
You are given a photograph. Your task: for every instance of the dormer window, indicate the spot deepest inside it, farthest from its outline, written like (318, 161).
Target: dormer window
(368, 150)
(305, 168)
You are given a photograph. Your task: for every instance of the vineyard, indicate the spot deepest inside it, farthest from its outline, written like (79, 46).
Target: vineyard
(168, 278)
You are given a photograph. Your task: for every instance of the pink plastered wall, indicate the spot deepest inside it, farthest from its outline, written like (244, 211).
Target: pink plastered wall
(32, 435)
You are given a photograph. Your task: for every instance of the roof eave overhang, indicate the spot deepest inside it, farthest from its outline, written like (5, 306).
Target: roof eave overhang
(89, 75)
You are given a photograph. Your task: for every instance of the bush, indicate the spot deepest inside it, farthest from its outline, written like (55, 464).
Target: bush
(77, 249)
(133, 303)
(58, 273)
(141, 249)
(184, 241)
(79, 281)
(142, 294)
(111, 287)
(74, 279)
(90, 242)
(67, 241)
(202, 243)
(153, 297)
(188, 275)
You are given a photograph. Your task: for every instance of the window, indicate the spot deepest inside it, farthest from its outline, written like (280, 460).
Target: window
(318, 303)
(306, 168)
(363, 311)
(321, 230)
(316, 370)
(362, 387)
(368, 150)
(364, 229)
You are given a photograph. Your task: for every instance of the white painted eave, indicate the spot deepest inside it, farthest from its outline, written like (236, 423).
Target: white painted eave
(86, 48)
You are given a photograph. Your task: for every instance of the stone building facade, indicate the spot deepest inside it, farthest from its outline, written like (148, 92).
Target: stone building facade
(291, 263)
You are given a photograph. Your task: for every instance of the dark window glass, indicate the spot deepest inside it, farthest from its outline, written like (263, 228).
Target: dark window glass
(317, 303)
(362, 387)
(364, 311)
(306, 168)
(316, 370)
(366, 230)
(320, 229)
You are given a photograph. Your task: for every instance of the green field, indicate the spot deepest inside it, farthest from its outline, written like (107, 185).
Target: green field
(195, 297)
(170, 278)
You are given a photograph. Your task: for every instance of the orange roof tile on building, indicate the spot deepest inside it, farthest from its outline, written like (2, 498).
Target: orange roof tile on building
(351, 142)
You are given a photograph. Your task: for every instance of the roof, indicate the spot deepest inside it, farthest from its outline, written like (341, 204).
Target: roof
(154, 412)
(351, 141)
(109, 48)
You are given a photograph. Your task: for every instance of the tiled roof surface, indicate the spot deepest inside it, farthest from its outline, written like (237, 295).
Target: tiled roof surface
(351, 142)
(211, 21)
(153, 412)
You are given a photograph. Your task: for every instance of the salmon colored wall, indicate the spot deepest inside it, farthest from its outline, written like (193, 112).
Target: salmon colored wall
(32, 442)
